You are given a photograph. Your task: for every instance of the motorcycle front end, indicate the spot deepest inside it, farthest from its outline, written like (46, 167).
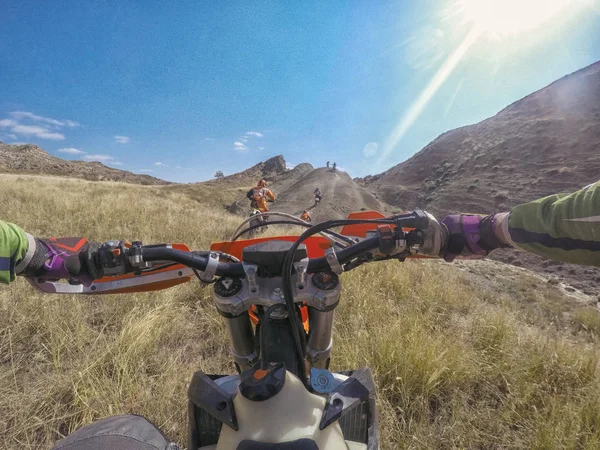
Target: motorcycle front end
(267, 405)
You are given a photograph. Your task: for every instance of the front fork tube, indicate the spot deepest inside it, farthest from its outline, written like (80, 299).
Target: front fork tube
(242, 340)
(318, 346)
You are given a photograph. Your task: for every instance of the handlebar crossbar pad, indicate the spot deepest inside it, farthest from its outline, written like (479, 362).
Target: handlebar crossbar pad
(270, 255)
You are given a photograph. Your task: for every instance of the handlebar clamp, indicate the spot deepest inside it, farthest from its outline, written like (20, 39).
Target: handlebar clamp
(333, 261)
(212, 262)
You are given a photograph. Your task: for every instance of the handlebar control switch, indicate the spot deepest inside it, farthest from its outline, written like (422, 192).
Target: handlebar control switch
(387, 243)
(111, 258)
(416, 237)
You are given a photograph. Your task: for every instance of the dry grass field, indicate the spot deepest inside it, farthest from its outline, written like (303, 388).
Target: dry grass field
(460, 362)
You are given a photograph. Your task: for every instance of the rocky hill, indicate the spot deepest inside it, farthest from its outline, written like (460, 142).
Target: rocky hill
(31, 159)
(268, 170)
(293, 188)
(341, 195)
(545, 143)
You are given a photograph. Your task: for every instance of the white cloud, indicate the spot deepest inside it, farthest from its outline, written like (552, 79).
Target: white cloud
(116, 163)
(38, 131)
(370, 149)
(209, 139)
(145, 171)
(158, 163)
(11, 136)
(5, 123)
(19, 115)
(97, 157)
(289, 166)
(178, 167)
(240, 146)
(18, 143)
(261, 148)
(122, 139)
(24, 123)
(71, 151)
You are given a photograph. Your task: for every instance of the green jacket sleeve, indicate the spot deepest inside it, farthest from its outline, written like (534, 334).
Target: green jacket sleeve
(565, 227)
(14, 243)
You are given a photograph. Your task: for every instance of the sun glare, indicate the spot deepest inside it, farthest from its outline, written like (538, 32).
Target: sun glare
(498, 18)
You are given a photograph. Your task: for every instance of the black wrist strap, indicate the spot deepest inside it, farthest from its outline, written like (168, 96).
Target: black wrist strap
(489, 241)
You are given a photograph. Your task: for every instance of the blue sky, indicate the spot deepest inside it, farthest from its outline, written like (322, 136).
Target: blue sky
(182, 89)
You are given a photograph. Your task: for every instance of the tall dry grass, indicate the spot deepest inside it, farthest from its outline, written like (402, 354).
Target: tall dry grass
(456, 366)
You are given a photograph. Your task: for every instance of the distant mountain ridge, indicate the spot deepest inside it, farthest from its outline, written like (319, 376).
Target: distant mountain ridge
(31, 159)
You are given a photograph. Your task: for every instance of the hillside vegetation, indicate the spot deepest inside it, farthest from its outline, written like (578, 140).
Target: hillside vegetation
(31, 159)
(466, 356)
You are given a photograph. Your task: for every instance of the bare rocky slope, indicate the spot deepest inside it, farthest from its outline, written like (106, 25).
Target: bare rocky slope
(545, 143)
(31, 159)
(341, 196)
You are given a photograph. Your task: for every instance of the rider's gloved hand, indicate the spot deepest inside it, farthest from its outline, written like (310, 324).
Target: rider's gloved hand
(474, 236)
(74, 259)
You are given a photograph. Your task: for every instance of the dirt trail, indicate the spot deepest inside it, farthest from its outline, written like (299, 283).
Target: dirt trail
(341, 196)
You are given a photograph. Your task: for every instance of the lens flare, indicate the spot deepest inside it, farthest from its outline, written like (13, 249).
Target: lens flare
(497, 18)
(426, 95)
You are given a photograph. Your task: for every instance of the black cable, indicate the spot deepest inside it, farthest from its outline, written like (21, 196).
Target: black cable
(286, 277)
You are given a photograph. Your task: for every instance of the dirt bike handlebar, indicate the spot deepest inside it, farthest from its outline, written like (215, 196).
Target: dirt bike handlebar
(390, 239)
(200, 262)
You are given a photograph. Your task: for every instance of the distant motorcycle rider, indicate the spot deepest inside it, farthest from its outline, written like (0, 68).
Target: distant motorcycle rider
(306, 216)
(260, 195)
(318, 195)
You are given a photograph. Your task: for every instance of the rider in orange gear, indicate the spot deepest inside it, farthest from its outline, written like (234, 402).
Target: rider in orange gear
(260, 194)
(306, 216)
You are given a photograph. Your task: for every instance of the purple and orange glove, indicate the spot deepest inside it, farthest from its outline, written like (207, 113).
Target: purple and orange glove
(74, 259)
(473, 236)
